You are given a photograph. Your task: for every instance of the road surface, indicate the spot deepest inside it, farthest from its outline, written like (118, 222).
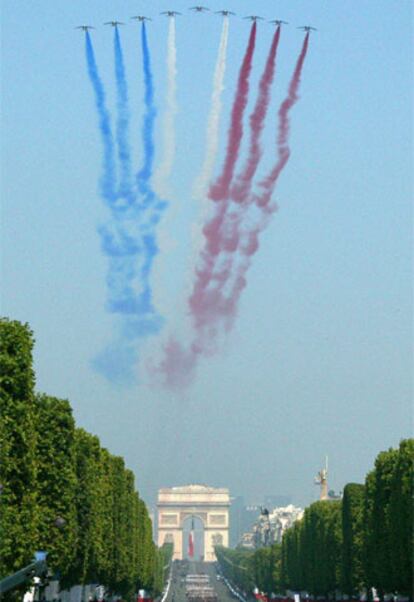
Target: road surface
(181, 569)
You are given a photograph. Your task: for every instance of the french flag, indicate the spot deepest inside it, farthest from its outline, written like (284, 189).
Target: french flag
(191, 540)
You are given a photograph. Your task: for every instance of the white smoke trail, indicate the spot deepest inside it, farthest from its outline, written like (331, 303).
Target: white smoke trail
(166, 165)
(202, 181)
(212, 135)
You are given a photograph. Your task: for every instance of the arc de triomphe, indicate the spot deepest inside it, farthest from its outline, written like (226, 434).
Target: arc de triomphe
(209, 504)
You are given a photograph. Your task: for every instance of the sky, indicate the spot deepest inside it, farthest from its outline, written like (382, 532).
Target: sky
(320, 358)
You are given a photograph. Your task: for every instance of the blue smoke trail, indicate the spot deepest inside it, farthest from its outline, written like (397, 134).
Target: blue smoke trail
(128, 239)
(151, 204)
(109, 178)
(122, 126)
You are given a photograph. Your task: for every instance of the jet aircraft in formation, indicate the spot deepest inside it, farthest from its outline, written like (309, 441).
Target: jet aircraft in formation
(279, 22)
(114, 23)
(225, 13)
(141, 18)
(254, 18)
(170, 13)
(197, 9)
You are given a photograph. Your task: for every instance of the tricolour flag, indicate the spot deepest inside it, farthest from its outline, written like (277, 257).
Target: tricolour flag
(191, 540)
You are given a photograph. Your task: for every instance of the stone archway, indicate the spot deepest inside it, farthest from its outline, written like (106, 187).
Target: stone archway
(177, 504)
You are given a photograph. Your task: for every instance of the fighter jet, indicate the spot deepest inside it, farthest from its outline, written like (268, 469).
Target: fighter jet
(253, 18)
(170, 13)
(308, 28)
(85, 27)
(279, 22)
(141, 18)
(199, 9)
(225, 13)
(114, 23)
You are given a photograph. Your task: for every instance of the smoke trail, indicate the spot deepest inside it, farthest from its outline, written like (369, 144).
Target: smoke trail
(213, 124)
(122, 126)
(201, 299)
(128, 237)
(108, 179)
(165, 168)
(242, 186)
(178, 363)
(249, 242)
(150, 205)
(228, 233)
(145, 173)
(269, 183)
(220, 189)
(214, 307)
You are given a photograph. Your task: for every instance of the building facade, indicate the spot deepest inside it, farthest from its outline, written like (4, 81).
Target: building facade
(178, 505)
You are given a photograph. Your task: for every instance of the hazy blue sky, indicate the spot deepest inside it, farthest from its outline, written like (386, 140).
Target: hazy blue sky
(320, 359)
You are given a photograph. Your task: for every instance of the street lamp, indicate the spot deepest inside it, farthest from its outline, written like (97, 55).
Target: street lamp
(60, 522)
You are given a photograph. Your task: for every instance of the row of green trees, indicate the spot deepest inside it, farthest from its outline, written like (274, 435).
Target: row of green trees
(249, 569)
(364, 540)
(62, 492)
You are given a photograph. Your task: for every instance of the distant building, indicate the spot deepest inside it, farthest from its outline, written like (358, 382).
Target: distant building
(242, 519)
(270, 526)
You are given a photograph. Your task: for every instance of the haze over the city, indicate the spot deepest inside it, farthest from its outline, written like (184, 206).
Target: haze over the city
(319, 361)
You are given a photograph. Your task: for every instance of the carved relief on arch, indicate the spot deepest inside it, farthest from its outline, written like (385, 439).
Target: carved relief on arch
(217, 539)
(201, 515)
(168, 519)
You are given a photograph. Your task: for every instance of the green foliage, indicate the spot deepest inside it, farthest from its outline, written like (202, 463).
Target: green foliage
(401, 513)
(363, 540)
(56, 482)
(312, 550)
(146, 551)
(52, 473)
(18, 470)
(320, 547)
(292, 549)
(163, 559)
(266, 568)
(247, 569)
(388, 513)
(353, 538)
(237, 566)
(379, 523)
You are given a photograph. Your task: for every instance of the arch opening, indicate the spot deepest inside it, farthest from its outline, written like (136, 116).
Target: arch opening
(193, 538)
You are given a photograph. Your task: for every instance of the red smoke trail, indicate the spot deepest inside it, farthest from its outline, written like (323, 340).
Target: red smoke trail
(220, 189)
(268, 184)
(242, 186)
(214, 310)
(222, 232)
(249, 243)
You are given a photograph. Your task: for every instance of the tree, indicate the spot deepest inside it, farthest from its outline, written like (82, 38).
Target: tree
(292, 569)
(56, 482)
(18, 499)
(146, 548)
(401, 518)
(90, 549)
(353, 534)
(238, 566)
(378, 523)
(266, 568)
(312, 550)
(53, 475)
